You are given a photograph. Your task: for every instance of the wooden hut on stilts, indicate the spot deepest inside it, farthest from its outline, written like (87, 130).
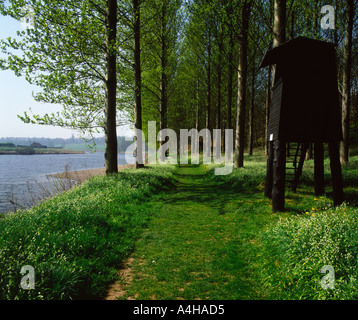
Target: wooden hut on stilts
(304, 109)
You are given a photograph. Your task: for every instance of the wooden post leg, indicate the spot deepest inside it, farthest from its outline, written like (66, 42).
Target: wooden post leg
(269, 173)
(336, 172)
(279, 171)
(318, 168)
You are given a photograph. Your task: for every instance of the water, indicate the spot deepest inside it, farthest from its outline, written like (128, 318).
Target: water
(19, 172)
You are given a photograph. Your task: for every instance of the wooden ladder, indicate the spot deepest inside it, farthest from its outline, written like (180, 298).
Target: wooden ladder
(295, 157)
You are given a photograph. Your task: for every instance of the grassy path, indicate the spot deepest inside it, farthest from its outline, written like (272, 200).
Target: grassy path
(201, 245)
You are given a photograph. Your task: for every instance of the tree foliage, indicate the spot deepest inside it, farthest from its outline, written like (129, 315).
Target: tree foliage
(189, 57)
(63, 53)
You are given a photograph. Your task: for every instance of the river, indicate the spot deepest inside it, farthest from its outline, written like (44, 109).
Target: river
(21, 175)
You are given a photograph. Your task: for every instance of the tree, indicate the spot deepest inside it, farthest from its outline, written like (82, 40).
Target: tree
(190, 81)
(71, 53)
(110, 85)
(230, 80)
(275, 177)
(346, 80)
(208, 77)
(137, 82)
(242, 83)
(160, 48)
(252, 104)
(267, 107)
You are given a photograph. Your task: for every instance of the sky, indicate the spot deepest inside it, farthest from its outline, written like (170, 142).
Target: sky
(16, 98)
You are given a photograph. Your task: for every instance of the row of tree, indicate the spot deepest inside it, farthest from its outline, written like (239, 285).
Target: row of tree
(185, 64)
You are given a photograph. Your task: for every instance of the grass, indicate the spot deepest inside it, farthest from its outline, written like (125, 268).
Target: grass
(202, 244)
(296, 249)
(215, 237)
(190, 234)
(77, 241)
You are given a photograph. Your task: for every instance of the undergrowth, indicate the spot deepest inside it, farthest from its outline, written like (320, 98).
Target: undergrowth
(77, 240)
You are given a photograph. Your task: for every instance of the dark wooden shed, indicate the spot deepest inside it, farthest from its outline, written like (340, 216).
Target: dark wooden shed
(304, 109)
(305, 102)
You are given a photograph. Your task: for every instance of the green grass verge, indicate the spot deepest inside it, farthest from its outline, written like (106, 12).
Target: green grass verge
(216, 237)
(77, 241)
(311, 234)
(203, 243)
(204, 237)
(297, 248)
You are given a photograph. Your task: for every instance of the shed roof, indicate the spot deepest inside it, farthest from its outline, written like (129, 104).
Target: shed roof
(297, 49)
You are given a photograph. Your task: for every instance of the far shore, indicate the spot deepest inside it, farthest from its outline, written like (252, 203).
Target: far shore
(83, 175)
(39, 151)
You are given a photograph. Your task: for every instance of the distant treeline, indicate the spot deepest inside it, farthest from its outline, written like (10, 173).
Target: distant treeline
(63, 143)
(7, 145)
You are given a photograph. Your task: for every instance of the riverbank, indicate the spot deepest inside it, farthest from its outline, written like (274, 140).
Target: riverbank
(181, 232)
(78, 240)
(30, 151)
(84, 175)
(22, 174)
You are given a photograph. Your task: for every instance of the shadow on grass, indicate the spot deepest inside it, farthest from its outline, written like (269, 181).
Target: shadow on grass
(194, 187)
(226, 194)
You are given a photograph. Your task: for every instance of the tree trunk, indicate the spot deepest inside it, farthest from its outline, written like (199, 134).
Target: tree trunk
(230, 80)
(269, 170)
(279, 167)
(252, 106)
(242, 83)
(137, 85)
(346, 81)
(208, 103)
(309, 153)
(278, 158)
(163, 78)
(197, 106)
(110, 124)
(219, 68)
(279, 28)
(268, 97)
(218, 103)
(336, 173)
(268, 103)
